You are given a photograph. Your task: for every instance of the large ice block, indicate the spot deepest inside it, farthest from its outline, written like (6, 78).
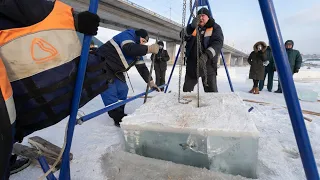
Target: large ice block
(220, 135)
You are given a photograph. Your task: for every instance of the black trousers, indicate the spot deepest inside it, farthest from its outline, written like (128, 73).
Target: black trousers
(255, 83)
(6, 140)
(270, 79)
(190, 82)
(160, 77)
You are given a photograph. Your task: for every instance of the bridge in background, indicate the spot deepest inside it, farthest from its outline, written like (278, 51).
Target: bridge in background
(122, 14)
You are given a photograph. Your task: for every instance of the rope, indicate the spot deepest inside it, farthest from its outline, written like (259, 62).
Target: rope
(53, 167)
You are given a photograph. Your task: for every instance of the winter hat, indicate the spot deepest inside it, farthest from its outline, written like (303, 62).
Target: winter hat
(289, 42)
(204, 11)
(160, 43)
(142, 33)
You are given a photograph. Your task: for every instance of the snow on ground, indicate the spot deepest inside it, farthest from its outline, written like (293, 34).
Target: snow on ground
(278, 153)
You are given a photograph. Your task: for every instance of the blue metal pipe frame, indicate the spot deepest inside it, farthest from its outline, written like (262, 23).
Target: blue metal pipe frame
(201, 3)
(113, 106)
(174, 65)
(45, 167)
(65, 166)
(288, 88)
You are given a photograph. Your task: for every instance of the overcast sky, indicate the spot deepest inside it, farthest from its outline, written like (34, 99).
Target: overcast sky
(242, 22)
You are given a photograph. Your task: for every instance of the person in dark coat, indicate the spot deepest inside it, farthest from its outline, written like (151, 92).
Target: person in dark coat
(160, 65)
(257, 59)
(269, 69)
(295, 60)
(211, 42)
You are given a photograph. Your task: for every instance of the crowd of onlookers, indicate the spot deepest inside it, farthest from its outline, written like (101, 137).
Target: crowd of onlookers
(262, 64)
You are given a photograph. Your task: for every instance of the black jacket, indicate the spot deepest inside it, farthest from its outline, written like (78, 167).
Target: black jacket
(23, 12)
(215, 42)
(160, 62)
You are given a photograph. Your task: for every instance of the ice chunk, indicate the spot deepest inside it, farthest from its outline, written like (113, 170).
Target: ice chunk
(220, 135)
(123, 166)
(305, 94)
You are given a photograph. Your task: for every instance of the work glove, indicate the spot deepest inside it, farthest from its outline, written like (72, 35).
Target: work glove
(87, 23)
(154, 48)
(195, 22)
(266, 63)
(154, 86)
(296, 70)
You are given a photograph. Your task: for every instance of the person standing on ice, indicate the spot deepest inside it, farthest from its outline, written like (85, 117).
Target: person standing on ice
(257, 60)
(211, 42)
(122, 52)
(295, 60)
(160, 64)
(269, 69)
(39, 55)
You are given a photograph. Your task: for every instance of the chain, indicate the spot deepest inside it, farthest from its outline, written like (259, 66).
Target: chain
(182, 47)
(191, 13)
(198, 52)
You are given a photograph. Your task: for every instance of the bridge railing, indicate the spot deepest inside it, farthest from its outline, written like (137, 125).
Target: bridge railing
(149, 11)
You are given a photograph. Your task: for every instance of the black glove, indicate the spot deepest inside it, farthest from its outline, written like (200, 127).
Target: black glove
(296, 70)
(195, 22)
(87, 23)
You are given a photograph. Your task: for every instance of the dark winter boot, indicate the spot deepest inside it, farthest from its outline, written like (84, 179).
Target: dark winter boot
(17, 165)
(256, 91)
(251, 91)
(118, 121)
(278, 91)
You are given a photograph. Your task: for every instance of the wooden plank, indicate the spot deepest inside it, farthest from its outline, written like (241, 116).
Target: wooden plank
(308, 119)
(46, 146)
(303, 111)
(33, 154)
(311, 113)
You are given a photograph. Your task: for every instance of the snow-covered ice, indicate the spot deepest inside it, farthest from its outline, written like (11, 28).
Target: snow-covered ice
(278, 157)
(222, 114)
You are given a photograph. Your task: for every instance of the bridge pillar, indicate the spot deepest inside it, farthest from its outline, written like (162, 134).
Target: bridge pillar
(171, 48)
(240, 61)
(233, 61)
(227, 58)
